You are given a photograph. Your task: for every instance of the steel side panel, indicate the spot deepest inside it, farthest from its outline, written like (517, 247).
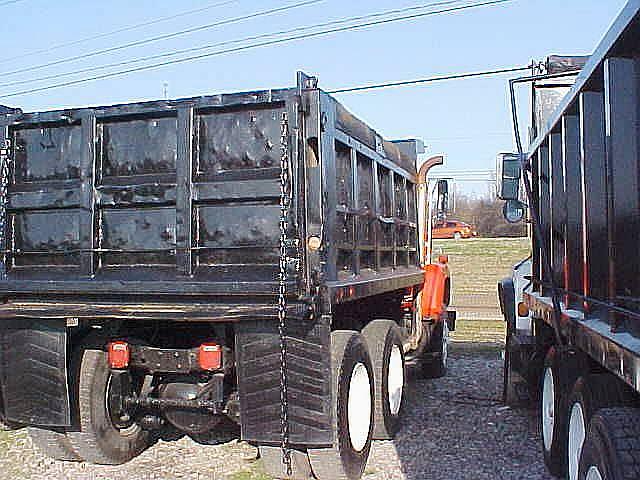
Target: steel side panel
(558, 208)
(594, 194)
(621, 123)
(544, 206)
(573, 189)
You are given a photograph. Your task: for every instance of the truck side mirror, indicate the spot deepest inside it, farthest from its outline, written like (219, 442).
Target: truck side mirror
(508, 176)
(513, 211)
(443, 205)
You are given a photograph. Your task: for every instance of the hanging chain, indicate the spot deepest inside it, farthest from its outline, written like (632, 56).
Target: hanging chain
(4, 183)
(285, 204)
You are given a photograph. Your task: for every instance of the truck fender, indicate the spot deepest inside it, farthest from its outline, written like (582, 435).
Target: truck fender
(507, 297)
(434, 293)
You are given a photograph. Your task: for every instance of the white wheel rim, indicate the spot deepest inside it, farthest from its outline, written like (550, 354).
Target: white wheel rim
(593, 474)
(445, 344)
(395, 380)
(359, 407)
(576, 439)
(548, 409)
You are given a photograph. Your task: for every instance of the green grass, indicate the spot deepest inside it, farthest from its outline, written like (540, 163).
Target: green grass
(478, 264)
(479, 331)
(253, 472)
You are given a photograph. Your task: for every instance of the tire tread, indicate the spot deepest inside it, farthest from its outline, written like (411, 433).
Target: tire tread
(375, 334)
(619, 427)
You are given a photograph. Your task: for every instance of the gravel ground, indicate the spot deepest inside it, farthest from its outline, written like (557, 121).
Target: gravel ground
(457, 428)
(454, 428)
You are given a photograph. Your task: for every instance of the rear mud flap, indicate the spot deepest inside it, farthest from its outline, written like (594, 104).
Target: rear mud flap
(308, 382)
(33, 372)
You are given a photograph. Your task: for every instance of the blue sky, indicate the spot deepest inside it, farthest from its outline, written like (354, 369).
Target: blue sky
(467, 120)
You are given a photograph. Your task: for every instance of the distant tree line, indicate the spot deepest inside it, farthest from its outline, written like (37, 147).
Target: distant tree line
(486, 215)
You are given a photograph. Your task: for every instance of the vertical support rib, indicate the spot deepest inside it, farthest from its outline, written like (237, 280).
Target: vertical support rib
(394, 231)
(88, 236)
(355, 219)
(312, 188)
(376, 212)
(594, 195)
(558, 208)
(573, 191)
(328, 166)
(535, 187)
(544, 207)
(621, 129)
(4, 244)
(184, 191)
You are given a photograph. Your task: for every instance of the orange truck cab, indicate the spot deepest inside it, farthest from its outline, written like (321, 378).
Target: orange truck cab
(436, 292)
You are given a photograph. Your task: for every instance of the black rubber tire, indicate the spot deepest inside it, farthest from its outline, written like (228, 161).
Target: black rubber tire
(53, 443)
(613, 445)
(434, 361)
(97, 440)
(274, 467)
(381, 336)
(565, 368)
(592, 393)
(342, 461)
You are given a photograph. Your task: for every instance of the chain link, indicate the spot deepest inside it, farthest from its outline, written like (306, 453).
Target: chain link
(285, 205)
(4, 184)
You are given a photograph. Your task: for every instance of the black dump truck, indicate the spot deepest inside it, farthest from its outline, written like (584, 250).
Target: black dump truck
(168, 267)
(573, 308)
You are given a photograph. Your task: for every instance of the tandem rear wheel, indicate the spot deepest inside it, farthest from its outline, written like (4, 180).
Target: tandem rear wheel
(100, 437)
(561, 370)
(353, 417)
(590, 394)
(612, 448)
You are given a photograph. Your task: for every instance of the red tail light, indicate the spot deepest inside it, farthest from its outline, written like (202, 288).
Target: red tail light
(118, 354)
(210, 356)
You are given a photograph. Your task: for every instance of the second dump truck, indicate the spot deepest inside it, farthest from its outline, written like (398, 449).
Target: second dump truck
(573, 308)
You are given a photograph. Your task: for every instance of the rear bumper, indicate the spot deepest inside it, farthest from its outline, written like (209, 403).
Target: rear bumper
(180, 311)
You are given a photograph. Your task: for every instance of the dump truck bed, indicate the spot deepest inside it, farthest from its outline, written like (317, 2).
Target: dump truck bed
(182, 198)
(165, 197)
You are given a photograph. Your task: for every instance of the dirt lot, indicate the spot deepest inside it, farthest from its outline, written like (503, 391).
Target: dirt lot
(454, 428)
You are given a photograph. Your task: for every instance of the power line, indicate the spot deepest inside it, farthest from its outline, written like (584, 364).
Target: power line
(164, 37)
(114, 32)
(258, 45)
(230, 42)
(429, 80)
(9, 2)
